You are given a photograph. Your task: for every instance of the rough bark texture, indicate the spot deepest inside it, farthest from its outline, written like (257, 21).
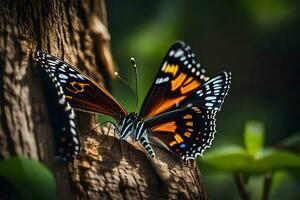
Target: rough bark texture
(107, 168)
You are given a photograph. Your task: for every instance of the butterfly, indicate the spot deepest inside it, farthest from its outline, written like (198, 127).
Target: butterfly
(179, 109)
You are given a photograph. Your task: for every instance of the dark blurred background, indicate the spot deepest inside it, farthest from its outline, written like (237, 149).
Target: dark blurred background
(258, 41)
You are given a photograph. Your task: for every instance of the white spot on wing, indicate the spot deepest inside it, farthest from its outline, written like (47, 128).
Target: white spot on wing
(210, 98)
(178, 53)
(209, 104)
(73, 131)
(182, 58)
(80, 76)
(171, 53)
(72, 70)
(63, 76)
(62, 100)
(61, 69)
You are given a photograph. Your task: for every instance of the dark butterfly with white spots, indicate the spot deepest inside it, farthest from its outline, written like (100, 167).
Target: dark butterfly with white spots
(179, 109)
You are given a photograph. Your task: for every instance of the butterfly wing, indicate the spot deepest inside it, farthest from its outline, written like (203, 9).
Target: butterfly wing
(211, 94)
(69, 88)
(80, 91)
(62, 118)
(179, 76)
(188, 131)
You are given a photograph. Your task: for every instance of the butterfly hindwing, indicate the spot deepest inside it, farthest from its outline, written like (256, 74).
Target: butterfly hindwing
(81, 92)
(179, 75)
(187, 132)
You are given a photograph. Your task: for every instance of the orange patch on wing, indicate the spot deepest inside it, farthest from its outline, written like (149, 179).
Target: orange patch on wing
(190, 130)
(189, 87)
(177, 82)
(178, 138)
(189, 123)
(196, 109)
(188, 116)
(171, 69)
(77, 87)
(166, 105)
(169, 127)
(172, 143)
(185, 85)
(188, 80)
(68, 97)
(187, 134)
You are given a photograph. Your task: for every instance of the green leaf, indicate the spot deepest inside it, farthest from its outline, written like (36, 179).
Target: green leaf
(272, 159)
(224, 159)
(30, 179)
(254, 137)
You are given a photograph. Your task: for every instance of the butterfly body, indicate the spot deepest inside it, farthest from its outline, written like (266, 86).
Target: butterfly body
(179, 109)
(132, 126)
(126, 125)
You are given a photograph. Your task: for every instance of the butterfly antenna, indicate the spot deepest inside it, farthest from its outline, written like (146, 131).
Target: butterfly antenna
(123, 81)
(136, 82)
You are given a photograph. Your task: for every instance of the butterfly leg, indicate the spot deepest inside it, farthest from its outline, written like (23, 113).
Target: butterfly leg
(145, 142)
(102, 126)
(106, 124)
(114, 139)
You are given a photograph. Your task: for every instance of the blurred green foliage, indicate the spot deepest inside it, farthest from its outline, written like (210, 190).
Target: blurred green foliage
(254, 137)
(26, 179)
(252, 159)
(232, 159)
(258, 41)
(269, 12)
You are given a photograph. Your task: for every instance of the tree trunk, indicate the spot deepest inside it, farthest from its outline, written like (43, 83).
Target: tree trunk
(107, 168)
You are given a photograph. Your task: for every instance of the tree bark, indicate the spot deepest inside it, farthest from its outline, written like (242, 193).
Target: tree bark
(107, 168)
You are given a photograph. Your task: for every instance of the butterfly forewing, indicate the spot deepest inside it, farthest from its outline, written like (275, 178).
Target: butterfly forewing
(211, 94)
(179, 75)
(81, 92)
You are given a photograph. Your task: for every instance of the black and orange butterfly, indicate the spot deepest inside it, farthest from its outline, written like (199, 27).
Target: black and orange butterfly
(179, 108)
